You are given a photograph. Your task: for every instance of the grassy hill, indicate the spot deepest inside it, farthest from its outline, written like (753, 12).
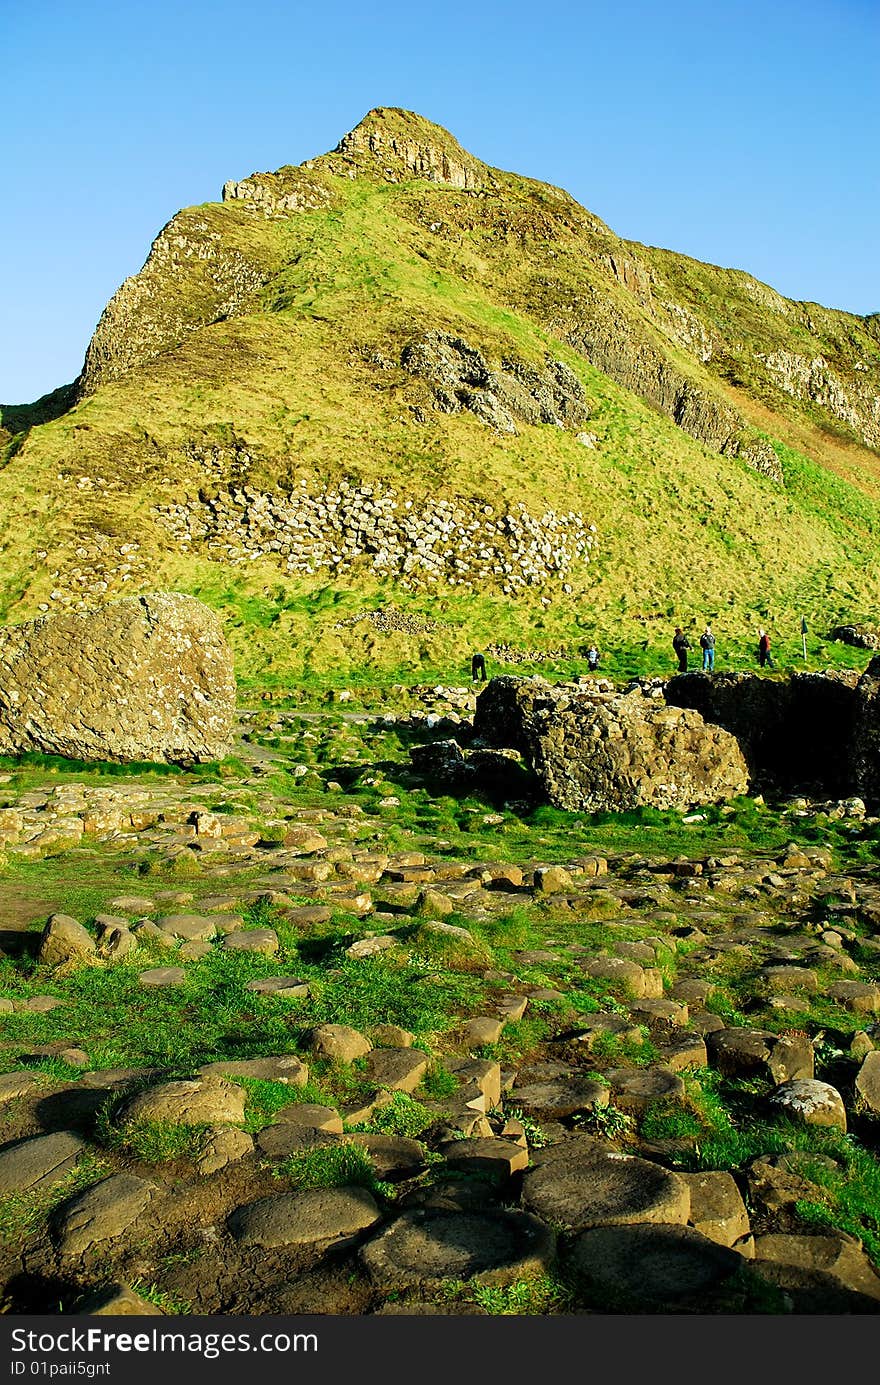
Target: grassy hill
(728, 458)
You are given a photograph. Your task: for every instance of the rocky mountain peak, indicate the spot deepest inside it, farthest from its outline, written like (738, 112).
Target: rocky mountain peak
(394, 144)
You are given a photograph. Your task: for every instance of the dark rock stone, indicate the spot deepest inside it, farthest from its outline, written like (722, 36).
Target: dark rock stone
(493, 1247)
(795, 732)
(651, 1264)
(587, 1186)
(315, 1216)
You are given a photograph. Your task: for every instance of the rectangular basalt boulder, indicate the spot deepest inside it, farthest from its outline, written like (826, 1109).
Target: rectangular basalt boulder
(147, 678)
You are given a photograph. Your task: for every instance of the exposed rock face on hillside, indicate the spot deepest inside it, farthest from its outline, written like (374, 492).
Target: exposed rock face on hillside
(195, 275)
(275, 194)
(796, 734)
(607, 339)
(145, 678)
(395, 145)
(462, 379)
(597, 752)
(859, 636)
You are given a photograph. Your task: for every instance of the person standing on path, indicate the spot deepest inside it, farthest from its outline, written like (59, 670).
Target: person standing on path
(764, 649)
(707, 644)
(478, 668)
(681, 644)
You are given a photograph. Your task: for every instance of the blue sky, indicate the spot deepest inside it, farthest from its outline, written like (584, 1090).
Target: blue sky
(745, 133)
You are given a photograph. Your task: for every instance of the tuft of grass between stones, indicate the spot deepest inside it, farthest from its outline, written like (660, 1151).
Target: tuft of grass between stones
(402, 1116)
(542, 1295)
(333, 1166)
(169, 1303)
(155, 1142)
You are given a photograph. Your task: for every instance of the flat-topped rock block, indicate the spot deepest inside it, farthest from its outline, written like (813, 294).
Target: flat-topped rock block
(262, 940)
(316, 1216)
(162, 976)
(190, 927)
(497, 1157)
(394, 1157)
(425, 1248)
(339, 1043)
(101, 1213)
(635, 1089)
(198, 1102)
(560, 1097)
(398, 1069)
(281, 1067)
(651, 1264)
(311, 1114)
(39, 1163)
(717, 1208)
(582, 1187)
(760, 1053)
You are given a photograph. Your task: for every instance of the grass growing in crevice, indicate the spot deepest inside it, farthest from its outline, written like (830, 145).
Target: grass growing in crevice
(333, 1166)
(402, 1116)
(172, 1304)
(155, 1142)
(536, 1297)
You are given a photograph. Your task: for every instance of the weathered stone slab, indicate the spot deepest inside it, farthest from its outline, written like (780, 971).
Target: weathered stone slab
(398, 1069)
(101, 1213)
(652, 1264)
(588, 1187)
(424, 1248)
(197, 1102)
(317, 1215)
(38, 1163)
(145, 678)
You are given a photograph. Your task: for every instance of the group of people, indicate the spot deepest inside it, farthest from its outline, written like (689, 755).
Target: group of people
(681, 644)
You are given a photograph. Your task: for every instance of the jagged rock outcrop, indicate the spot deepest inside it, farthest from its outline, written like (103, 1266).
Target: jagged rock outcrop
(394, 145)
(795, 733)
(858, 636)
(813, 381)
(608, 339)
(199, 271)
(277, 194)
(462, 379)
(604, 751)
(145, 678)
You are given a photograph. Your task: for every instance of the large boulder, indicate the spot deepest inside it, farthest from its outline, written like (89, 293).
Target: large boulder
(144, 678)
(595, 751)
(794, 732)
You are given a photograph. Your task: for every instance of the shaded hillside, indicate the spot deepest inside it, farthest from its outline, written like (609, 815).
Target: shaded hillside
(271, 412)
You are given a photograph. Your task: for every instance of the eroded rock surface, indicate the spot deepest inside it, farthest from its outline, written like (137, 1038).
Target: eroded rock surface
(595, 751)
(144, 678)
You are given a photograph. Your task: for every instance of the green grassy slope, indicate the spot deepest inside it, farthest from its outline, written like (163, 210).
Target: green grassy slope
(299, 380)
